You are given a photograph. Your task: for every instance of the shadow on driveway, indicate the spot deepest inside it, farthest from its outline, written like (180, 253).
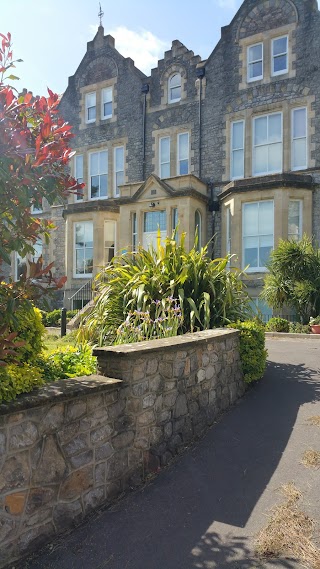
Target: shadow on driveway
(169, 523)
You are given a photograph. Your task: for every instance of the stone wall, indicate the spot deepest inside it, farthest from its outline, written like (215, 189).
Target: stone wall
(77, 444)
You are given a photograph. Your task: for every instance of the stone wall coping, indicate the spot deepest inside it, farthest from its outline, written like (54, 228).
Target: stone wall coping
(177, 342)
(60, 390)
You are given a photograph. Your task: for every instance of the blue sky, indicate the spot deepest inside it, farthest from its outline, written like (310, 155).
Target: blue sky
(50, 35)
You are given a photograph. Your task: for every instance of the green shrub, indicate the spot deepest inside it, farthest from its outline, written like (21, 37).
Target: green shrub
(16, 379)
(253, 354)
(67, 362)
(28, 325)
(276, 324)
(297, 328)
(53, 318)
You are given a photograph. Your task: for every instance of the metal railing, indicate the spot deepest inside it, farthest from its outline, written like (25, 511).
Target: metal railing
(84, 295)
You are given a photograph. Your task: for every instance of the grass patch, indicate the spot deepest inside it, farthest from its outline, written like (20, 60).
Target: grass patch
(315, 420)
(289, 532)
(53, 342)
(311, 459)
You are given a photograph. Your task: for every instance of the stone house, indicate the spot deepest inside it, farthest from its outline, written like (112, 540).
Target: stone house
(228, 146)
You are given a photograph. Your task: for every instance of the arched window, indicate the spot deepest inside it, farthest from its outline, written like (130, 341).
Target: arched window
(174, 89)
(198, 228)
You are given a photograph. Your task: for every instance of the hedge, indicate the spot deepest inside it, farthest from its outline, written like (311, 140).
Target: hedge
(253, 354)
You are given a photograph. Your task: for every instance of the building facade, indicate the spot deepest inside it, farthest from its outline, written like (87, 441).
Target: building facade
(228, 146)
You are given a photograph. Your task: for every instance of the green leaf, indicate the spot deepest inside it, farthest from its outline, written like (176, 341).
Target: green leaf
(13, 77)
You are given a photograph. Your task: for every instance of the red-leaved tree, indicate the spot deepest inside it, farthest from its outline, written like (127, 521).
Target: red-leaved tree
(34, 156)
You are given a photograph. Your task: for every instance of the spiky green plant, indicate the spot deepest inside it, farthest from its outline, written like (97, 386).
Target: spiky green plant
(208, 293)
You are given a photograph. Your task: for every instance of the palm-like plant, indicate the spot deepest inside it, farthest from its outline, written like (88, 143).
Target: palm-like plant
(294, 278)
(208, 293)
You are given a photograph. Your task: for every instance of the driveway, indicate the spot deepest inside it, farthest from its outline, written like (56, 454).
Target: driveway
(205, 509)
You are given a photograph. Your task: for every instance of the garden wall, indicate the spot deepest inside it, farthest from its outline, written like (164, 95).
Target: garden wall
(76, 444)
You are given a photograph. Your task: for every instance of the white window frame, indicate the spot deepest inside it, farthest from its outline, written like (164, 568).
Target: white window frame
(259, 77)
(134, 231)
(103, 116)
(77, 197)
(161, 163)
(172, 99)
(273, 57)
(232, 150)
(300, 218)
(296, 168)
(88, 121)
(257, 269)
(116, 190)
(75, 274)
(100, 174)
(179, 160)
(254, 173)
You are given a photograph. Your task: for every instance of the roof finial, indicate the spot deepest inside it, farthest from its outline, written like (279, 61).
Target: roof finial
(101, 14)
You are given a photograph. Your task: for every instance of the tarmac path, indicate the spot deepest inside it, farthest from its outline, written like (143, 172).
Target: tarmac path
(205, 509)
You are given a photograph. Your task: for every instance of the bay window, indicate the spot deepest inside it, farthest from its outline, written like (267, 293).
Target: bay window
(153, 222)
(295, 220)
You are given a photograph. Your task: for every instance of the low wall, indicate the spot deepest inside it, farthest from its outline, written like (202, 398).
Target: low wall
(76, 444)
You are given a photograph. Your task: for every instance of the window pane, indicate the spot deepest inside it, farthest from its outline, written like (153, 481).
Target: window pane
(103, 185)
(79, 167)
(261, 160)
(176, 93)
(261, 130)
(250, 219)
(255, 52)
(175, 80)
(266, 245)
(184, 146)
(275, 158)
(89, 234)
(91, 113)
(280, 46)
(299, 151)
(80, 234)
(165, 149)
(79, 261)
(280, 63)
(184, 167)
(255, 69)
(237, 164)
(91, 100)
(107, 109)
(299, 123)
(294, 222)
(107, 95)
(251, 251)
(265, 218)
(119, 179)
(154, 220)
(165, 171)
(274, 128)
(88, 261)
(94, 186)
(94, 164)
(237, 135)
(119, 158)
(103, 162)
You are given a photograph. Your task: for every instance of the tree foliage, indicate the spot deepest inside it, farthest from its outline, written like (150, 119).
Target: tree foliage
(294, 278)
(34, 154)
(208, 294)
